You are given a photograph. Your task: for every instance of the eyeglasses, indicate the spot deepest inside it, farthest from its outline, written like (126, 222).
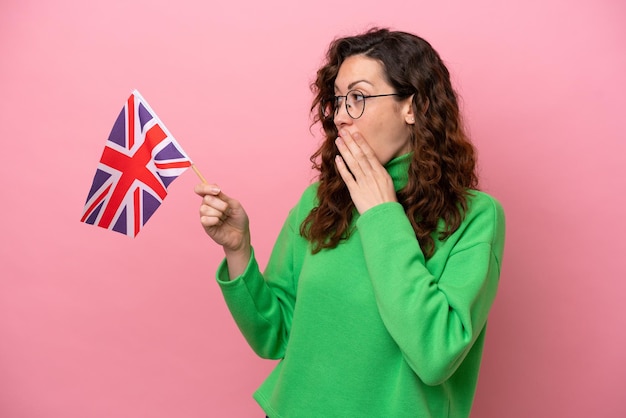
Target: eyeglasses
(354, 101)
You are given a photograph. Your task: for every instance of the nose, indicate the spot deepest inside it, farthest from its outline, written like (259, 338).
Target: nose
(341, 117)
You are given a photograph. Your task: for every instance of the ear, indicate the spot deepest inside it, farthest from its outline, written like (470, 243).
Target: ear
(409, 116)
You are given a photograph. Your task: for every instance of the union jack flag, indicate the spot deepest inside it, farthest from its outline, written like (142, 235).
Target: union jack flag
(140, 160)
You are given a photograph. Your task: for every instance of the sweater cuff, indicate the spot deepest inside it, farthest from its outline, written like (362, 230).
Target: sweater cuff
(224, 280)
(381, 214)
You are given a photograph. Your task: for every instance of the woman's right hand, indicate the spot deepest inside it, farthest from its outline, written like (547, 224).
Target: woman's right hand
(224, 220)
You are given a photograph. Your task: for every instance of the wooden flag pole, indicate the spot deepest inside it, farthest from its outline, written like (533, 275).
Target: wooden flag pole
(200, 176)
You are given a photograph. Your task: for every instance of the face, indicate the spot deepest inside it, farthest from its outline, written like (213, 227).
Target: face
(386, 124)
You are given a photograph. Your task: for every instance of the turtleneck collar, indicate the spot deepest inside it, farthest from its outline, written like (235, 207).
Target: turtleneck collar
(398, 169)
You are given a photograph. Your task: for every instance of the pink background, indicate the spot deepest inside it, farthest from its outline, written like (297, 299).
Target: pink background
(95, 324)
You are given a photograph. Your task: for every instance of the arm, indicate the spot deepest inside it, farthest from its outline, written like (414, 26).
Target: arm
(262, 304)
(434, 317)
(262, 309)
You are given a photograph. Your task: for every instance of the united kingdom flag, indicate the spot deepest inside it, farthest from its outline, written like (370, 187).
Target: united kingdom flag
(140, 160)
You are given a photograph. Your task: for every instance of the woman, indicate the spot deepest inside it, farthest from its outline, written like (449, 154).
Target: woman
(377, 292)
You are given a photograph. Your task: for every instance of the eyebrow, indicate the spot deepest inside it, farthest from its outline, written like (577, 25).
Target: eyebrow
(354, 83)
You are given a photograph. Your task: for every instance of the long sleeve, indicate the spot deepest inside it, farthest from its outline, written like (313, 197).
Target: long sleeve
(262, 304)
(436, 309)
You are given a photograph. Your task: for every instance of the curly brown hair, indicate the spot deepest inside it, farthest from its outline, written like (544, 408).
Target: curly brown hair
(442, 170)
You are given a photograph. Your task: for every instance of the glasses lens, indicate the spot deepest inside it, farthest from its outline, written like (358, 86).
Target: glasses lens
(355, 104)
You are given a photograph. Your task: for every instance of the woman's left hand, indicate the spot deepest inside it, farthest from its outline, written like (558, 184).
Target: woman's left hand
(367, 180)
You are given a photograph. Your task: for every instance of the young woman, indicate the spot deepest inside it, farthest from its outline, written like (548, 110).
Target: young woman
(377, 292)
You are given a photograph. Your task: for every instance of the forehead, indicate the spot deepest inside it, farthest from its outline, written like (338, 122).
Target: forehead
(359, 69)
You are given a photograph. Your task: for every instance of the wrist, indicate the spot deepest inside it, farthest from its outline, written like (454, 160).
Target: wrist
(237, 260)
(243, 252)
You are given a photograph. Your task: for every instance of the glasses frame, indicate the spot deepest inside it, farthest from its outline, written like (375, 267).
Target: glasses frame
(335, 108)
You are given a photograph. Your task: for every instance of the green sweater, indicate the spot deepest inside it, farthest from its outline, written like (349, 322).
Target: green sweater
(371, 328)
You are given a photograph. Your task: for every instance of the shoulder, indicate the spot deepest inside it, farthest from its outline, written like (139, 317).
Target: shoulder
(309, 196)
(484, 220)
(482, 204)
(308, 200)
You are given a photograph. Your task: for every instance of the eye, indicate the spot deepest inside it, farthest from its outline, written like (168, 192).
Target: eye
(356, 96)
